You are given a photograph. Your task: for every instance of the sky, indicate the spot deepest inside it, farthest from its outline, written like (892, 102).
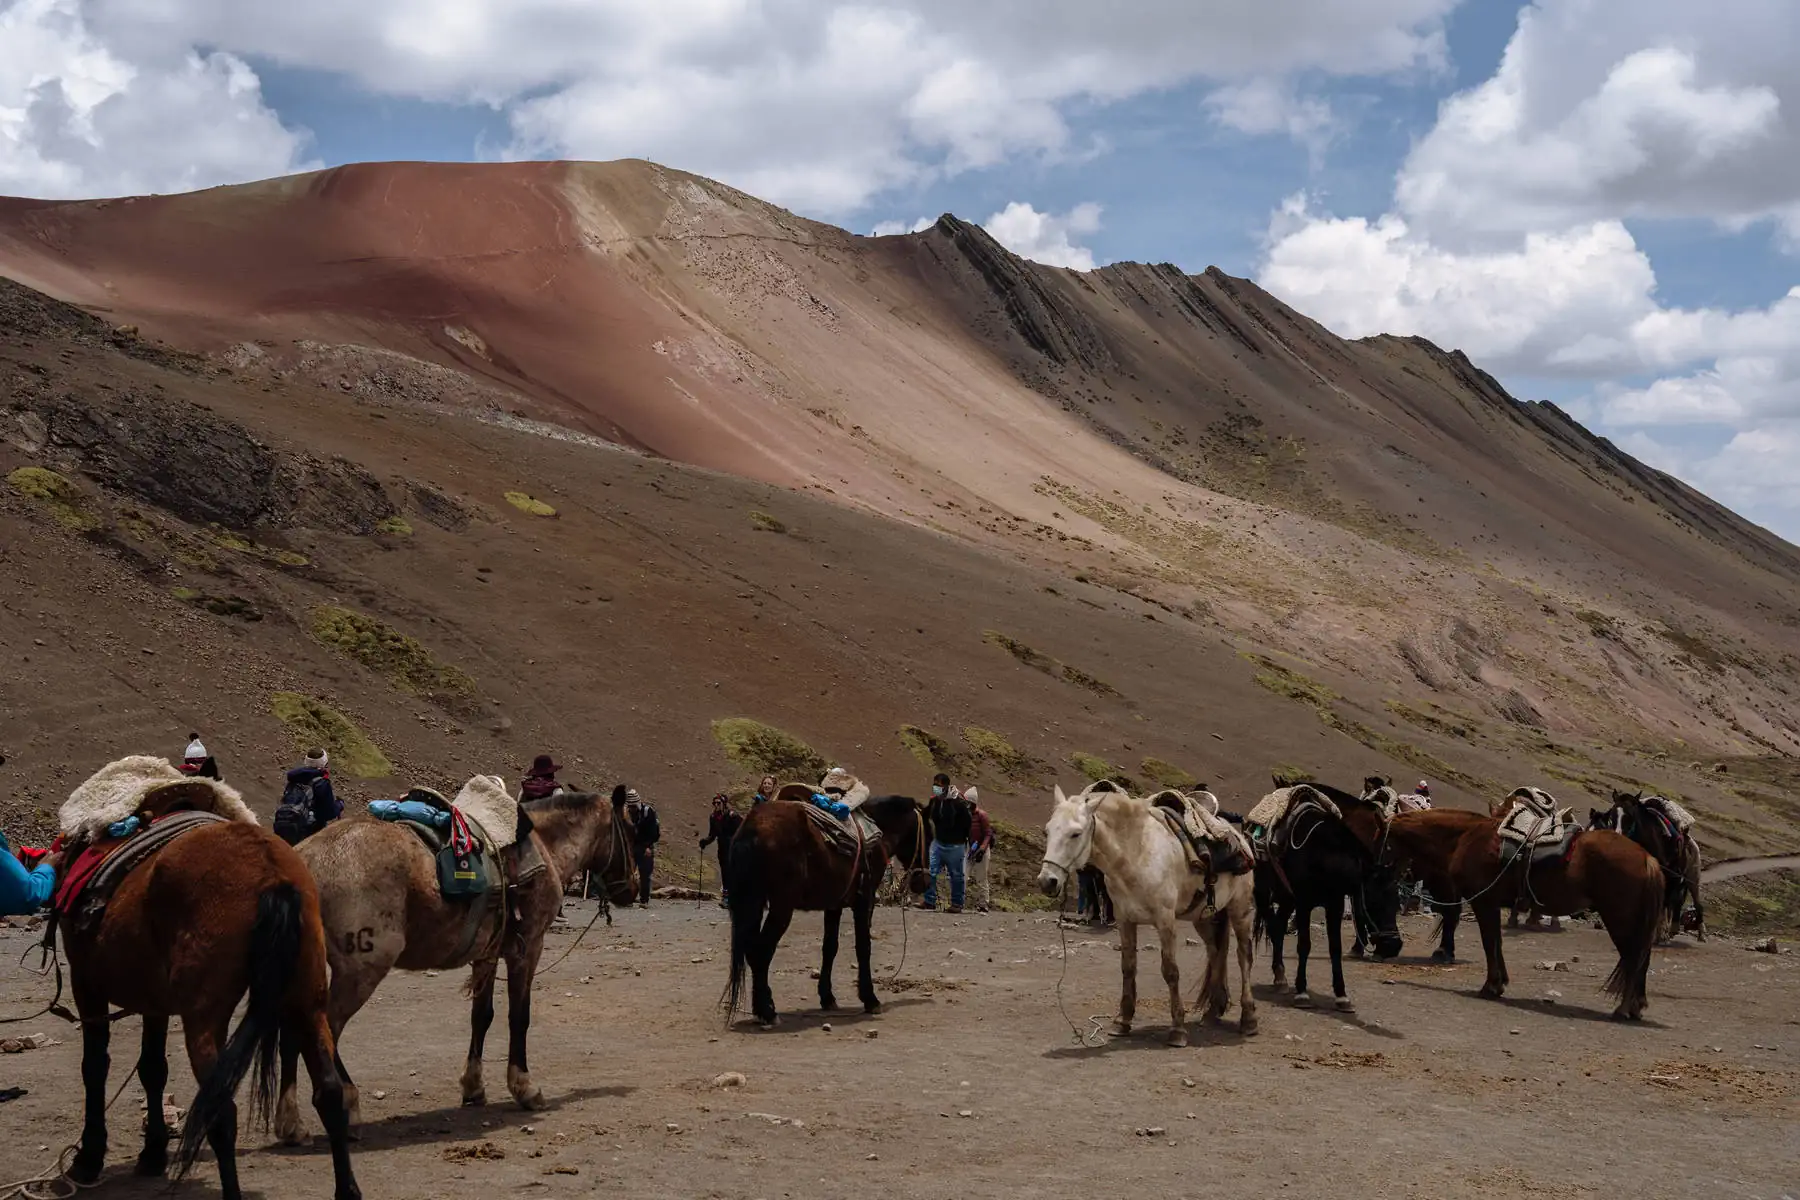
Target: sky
(1597, 200)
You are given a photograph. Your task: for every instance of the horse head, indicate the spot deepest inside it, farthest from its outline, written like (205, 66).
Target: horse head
(905, 834)
(1069, 835)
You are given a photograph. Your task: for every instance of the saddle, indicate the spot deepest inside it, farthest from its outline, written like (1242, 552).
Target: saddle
(1534, 826)
(1212, 846)
(99, 869)
(1273, 821)
(847, 836)
(1678, 817)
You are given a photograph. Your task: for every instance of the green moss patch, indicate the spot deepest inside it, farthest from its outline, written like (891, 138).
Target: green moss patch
(765, 750)
(64, 501)
(1055, 668)
(1094, 768)
(934, 753)
(1766, 902)
(766, 523)
(1166, 774)
(1286, 682)
(235, 607)
(314, 723)
(1287, 775)
(387, 651)
(255, 549)
(995, 751)
(397, 525)
(526, 504)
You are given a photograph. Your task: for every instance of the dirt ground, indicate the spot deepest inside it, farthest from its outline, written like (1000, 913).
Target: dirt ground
(971, 1084)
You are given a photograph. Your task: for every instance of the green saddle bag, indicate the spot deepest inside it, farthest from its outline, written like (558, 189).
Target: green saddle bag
(463, 871)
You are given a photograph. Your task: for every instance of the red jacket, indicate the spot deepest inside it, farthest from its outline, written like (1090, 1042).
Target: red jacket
(981, 830)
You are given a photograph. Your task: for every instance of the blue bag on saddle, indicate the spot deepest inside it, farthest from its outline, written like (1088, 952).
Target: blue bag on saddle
(410, 810)
(835, 808)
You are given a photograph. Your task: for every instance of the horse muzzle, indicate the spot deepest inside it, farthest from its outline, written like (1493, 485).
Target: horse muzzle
(1049, 882)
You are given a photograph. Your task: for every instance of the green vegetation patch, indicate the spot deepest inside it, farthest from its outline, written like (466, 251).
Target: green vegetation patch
(1698, 650)
(1039, 661)
(61, 497)
(314, 723)
(766, 750)
(1286, 682)
(1439, 721)
(933, 752)
(255, 549)
(1094, 768)
(1166, 774)
(1766, 902)
(766, 523)
(996, 751)
(526, 504)
(1012, 873)
(386, 651)
(1287, 775)
(397, 525)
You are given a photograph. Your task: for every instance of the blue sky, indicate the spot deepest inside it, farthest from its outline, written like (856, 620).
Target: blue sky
(1598, 201)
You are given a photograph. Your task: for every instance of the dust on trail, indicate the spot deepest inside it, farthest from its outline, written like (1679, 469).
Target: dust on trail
(970, 1084)
(1733, 868)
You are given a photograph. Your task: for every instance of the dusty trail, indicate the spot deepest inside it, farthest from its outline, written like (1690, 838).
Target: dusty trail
(969, 1083)
(1732, 868)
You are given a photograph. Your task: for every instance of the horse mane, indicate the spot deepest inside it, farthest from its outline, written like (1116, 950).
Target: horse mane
(561, 802)
(887, 805)
(1337, 796)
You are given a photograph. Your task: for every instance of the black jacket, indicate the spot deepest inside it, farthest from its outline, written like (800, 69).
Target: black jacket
(952, 819)
(721, 827)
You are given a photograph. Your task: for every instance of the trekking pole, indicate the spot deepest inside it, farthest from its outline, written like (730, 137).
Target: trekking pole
(699, 878)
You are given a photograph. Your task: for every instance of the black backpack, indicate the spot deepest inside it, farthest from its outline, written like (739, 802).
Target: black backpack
(294, 815)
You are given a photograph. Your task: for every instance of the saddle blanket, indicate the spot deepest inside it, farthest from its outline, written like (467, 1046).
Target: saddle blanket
(97, 871)
(1681, 818)
(1534, 825)
(1275, 814)
(1212, 844)
(847, 835)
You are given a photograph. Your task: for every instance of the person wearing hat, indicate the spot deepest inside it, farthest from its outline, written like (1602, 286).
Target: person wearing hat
(952, 820)
(721, 827)
(307, 802)
(195, 761)
(540, 781)
(981, 842)
(646, 831)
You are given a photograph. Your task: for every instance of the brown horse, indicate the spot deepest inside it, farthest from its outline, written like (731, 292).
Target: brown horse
(222, 909)
(1460, 857)
(378, 890)
(781, 861)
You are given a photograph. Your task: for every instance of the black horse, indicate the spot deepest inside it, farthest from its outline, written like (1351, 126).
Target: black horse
(1325, 860)
(782, 861)
(1639, 817)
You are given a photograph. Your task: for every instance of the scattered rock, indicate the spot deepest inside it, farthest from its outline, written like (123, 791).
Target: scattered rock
(1553, 964)
(474, 1151)
(826, 1027)
(31, 1041)
(562, 1170)
(1188, 1081)
(967, 1112)
(671, 1127)
(379, 1095)
(1766, 945)
(1152, 1131)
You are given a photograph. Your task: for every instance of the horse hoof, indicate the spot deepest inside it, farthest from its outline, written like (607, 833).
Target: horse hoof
(534, 1102)
(1491, 991)
(1249, 1027)
(1178, 1037)
(1121, 1028)
(1344, 1004)
(871, 1006)
(828, 1003)
(152, 1163)
(1302, 1000)
(1281, 983)
(1356, 952)
(85, 1170)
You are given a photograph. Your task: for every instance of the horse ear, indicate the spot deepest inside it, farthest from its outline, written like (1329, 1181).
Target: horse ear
(1060, 798)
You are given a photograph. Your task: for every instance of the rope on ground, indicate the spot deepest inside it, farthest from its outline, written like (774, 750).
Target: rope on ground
(54, 1183)
(1095, 1035)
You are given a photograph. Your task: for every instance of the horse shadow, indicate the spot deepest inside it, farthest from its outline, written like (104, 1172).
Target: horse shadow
(1268, 993)
(1154, 1037)
(813, 1018)
(1539, 1008)
(461, 1123)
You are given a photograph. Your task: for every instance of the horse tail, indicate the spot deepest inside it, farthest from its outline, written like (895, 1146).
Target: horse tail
(1263, 897)
(275, 951)
(743, 880)
(1633, 967)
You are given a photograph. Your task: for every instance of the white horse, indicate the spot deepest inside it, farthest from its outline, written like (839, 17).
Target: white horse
(1148, 878)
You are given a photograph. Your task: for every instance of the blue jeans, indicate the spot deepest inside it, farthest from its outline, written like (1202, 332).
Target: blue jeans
(947, 857)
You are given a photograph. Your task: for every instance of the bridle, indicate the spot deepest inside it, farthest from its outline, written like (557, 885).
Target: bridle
(1084, 847)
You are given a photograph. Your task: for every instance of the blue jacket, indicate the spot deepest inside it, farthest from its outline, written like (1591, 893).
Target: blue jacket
(325, 804)
(22, 892)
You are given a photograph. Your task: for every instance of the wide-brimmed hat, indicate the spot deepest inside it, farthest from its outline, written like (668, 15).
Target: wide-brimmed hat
(544, 762)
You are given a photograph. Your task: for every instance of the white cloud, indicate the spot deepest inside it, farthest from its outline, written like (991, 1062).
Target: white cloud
(77, 120)
(1043, 237)
(818, 104)
(1259, 107)
(889, 228)
(1507, 236)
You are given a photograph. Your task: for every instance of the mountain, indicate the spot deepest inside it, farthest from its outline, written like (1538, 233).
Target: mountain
(838, 484)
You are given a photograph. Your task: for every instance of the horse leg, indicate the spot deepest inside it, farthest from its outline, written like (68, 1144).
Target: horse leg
(481, 1015)
(1277, 932)
(96, 1033)
(313, 1039)
(1128, 948)
(205, 1039)
(153, 1073)
(1449, 917)
(1358, 921)
(775, 924)
(1171, 973)
(862, 917)
(1334, 943)
(1240, 919)
(827, 956)
(1214, 990)
(351, 986)
(1302, 949)
(1487, 919)
(521, 969)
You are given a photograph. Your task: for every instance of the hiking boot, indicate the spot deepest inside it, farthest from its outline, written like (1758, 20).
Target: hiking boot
(954, 909)
(926, 906)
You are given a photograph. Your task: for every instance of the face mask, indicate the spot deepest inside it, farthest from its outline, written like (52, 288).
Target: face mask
(937, 789)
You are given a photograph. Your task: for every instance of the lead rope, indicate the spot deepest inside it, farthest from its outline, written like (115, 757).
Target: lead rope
(905, 891)
(1095, 1035)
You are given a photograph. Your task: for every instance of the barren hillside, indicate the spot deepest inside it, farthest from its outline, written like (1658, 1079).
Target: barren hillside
(837, 484)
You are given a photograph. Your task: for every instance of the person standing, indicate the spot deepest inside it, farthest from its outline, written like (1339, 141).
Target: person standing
(24, 889)
(721, 827)
(950, 825)
(308, 803)
(540, 781)
(765, 791)
(646, 832)
(981, 843)
(195, 761)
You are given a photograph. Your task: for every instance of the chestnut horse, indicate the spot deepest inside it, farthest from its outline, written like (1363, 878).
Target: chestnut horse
(1460, 858)
(382, 909)
(223, 909)
(780, 862)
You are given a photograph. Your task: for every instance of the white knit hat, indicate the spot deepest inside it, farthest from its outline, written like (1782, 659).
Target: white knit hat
(318, 760)
(194, 750)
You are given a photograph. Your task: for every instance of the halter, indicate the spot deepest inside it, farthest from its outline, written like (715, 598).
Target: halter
(1083, 848)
